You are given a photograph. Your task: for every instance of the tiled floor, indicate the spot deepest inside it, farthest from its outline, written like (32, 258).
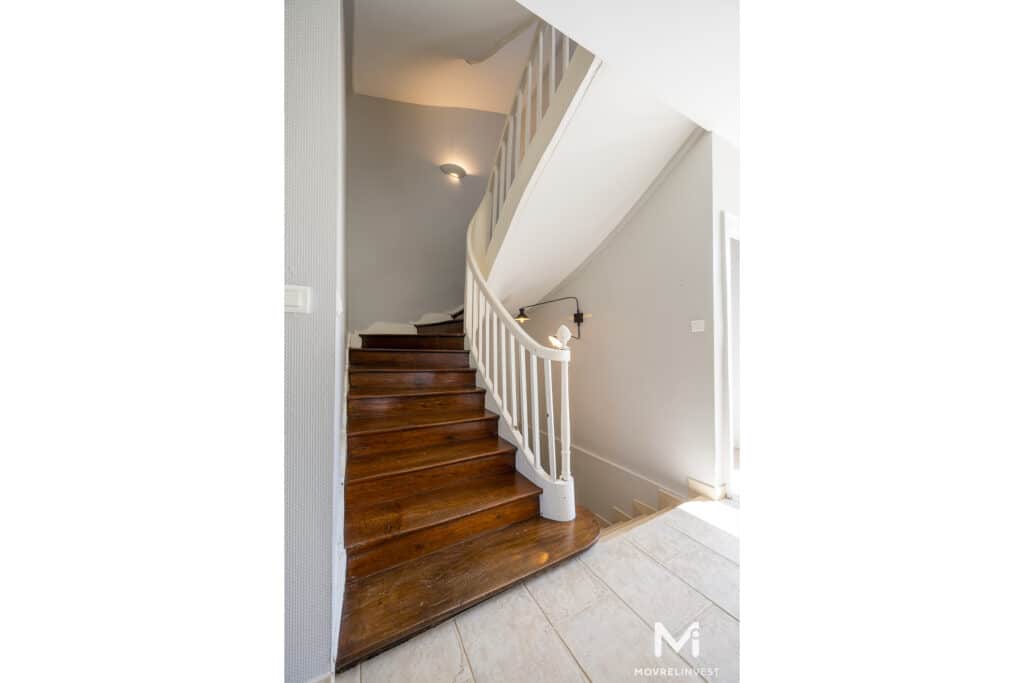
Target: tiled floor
(592, 618)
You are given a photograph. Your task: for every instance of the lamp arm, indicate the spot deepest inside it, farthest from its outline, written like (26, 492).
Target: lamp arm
(551, 301)
(577, 318)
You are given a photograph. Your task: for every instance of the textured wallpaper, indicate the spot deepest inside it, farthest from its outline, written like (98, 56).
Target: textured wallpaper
(314, 121)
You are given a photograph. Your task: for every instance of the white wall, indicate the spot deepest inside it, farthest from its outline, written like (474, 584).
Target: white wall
(406, 220)
(642, 384)
(725, 162)
(314, 210)
(685, 51)
(613, 143)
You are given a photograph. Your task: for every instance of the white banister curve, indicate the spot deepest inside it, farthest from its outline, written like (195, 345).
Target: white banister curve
(499, 348)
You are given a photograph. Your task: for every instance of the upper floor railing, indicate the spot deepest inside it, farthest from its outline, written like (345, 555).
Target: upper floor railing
(544, 72)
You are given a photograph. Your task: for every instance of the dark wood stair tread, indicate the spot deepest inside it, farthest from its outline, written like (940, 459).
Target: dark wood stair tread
(377, 465)
(382, 521)
(410, 334)
(392, 423)
(386, 608)
(393, 392)
(400, 350)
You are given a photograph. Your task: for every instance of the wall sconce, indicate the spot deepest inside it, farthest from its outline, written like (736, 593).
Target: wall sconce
(560, 340)
(453, 171)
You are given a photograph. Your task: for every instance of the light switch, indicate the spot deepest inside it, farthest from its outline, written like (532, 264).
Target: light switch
(297, 299)
(696, 326)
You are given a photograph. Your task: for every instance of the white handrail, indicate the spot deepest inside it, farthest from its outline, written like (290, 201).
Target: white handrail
(504, 354)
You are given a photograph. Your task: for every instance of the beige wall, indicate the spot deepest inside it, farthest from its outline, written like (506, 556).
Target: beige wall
(643, 385)
(407, 221)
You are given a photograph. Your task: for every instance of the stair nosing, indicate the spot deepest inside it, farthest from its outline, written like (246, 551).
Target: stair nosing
(412, 350)
(486, 415)
(358, 368)
(501, 448)
(412, 334)
(450, 391)
(383, 538)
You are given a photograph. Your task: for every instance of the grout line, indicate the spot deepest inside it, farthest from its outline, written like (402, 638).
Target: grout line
(698, 541)
(604, 583)
(666, 568)
(462, 646)
(557, 632)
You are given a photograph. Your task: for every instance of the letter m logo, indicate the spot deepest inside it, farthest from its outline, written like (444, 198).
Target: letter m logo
(691, 635)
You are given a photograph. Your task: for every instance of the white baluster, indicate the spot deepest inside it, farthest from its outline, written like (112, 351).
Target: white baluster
(517, 130)
(525, 422)
(494, 202)
(551, 67)
(565, 54)
(566, 445)
(550, 407)
(540, 79)
(494, 354)
(487, 339)
(512, 379)
(535, 403)
(504, 370)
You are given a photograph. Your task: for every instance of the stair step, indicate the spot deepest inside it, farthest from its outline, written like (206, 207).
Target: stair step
(434, 340)
(377, 424)
(383, 521)
(373, 378)
(442, 326)
(412, 359)
(408, 406)
(388, 607)
(381, 465)
(451, 430)
(394, 392)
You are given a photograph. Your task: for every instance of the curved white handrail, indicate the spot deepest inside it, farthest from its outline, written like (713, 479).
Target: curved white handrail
(504, 354)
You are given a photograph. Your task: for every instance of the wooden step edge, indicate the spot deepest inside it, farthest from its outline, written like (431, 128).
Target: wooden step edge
(502, 448)
(441, 391)
(486, 415)
(529, 491)
(410, 350)
(414, 335)
(361, 369)
(348, 657)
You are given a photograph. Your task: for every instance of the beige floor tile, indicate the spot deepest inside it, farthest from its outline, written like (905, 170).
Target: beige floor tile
(713, 575)
(508, 639)
(431, 657)
(719, 646)
(348, 676)
(611, 643)
(652, 591)
(565, 591)
(721, 542)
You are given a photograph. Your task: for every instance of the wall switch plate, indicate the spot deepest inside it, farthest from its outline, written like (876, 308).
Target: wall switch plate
(696, 326)
(297, 299)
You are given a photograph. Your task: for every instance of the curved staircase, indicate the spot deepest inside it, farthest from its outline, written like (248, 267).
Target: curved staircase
(436, 516)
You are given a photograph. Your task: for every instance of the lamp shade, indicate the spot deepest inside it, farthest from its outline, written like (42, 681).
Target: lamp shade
(522, 317)
(561, 338)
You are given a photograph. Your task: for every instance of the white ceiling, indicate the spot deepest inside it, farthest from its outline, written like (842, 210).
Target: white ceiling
(416, 51)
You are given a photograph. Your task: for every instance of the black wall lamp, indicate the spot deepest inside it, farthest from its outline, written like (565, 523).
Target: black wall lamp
(562, 340)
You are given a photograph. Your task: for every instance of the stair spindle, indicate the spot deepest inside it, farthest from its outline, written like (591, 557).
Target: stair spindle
(550, 409)
(566, 443)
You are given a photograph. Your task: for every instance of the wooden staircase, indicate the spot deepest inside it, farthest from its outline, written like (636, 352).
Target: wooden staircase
(436, 516)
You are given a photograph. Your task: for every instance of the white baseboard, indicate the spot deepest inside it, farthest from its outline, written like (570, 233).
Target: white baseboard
(699, 488)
